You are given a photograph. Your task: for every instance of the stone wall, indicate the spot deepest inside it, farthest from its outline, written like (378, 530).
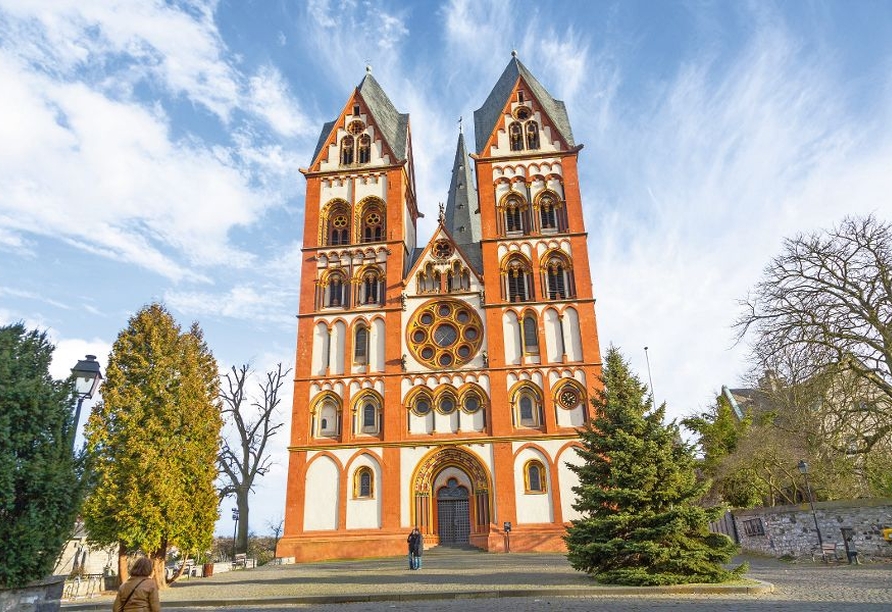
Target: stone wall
(41, 596)
(790, 530)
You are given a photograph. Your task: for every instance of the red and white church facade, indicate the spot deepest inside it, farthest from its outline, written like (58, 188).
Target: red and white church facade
(440, 384)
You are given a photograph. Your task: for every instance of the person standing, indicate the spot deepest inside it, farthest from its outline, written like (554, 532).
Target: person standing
(412, 541)
(419, 548)
(139, 593)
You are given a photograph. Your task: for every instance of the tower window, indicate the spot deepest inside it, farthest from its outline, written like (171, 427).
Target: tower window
(532, 135)
(534, 477)
(530, 335)
(347, 144)
(364, 151)
(356, 110)
(363, 483)
(515, 136)
(517, 273)
(361, 345)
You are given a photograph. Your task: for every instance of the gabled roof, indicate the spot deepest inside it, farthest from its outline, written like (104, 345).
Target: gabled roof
(463, 209)
(487, 116)
(393, 125)
(462, 250)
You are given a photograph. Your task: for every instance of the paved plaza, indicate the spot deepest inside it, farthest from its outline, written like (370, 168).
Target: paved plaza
(453, 580)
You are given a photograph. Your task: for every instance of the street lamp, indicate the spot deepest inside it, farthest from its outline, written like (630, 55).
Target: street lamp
(87, 377)
(803, 468)
(234, 531)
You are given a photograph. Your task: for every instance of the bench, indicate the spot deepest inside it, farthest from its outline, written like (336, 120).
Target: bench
(240, 560)
(829, 551)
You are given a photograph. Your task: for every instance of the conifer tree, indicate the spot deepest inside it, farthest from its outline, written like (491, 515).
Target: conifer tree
(153, 442)
(41, 480)
(638, 494)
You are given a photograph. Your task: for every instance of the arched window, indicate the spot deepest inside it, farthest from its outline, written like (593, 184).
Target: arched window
(327, 419)
(372, 224)
(530, 335)
(532, 135)
(363, 483)
(367, 415)
(514, 211)
(534, 477)
(347, 145)
(515, 136)
(446, 403)
(558, 277)
(361, 344)
(364, 149)
(334, 288)
(550, 213)
(518, 287)
(420, 403)
(335, 224)
(527, 407)
(371, 290)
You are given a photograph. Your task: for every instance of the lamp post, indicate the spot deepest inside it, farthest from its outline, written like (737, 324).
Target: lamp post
(803, 468)
(87, 377)
(234, 531)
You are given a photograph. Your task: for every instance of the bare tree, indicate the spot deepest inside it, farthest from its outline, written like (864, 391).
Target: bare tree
(245, 457)
(824, 309)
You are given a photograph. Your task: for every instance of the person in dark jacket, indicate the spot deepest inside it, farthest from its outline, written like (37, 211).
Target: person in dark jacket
(139, 593)
(416, 547)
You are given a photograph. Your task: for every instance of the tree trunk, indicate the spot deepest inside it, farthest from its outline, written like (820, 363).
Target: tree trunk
(123, 564)
(159, 557)
(241, 500)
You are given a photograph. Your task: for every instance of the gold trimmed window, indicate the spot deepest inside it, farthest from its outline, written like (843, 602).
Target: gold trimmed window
(367, 414)
(334, 290)
(361, 344)
(558, 276)
(568, 394)
(326, 416)
(335, 224)
(518, 285)
(526, 402)
(514, 215)
(420, 402)
(371, 286)
(364, 483)
(552, 213)
(530, 334)
(472, 399)
(534, 477)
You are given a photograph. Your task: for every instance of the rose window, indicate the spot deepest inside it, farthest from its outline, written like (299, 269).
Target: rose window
(445, 334)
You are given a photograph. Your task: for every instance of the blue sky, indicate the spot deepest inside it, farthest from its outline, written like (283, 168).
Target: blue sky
(150, 151)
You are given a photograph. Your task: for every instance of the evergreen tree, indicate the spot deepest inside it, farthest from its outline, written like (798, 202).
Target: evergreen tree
(40, 478)
(638, 493)
(153, 442)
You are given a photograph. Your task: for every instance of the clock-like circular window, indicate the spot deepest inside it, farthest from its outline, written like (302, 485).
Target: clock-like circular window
(444, 334)
(569, 397)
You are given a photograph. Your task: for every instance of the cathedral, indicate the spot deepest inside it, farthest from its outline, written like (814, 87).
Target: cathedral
(440, 383)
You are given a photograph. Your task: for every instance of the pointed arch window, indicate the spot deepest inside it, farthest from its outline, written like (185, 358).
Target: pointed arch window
(518, 285)
(534, 477)
(530, 335)
(363, 483)
(361, 344)
(551, 214)
(367, 414)
(515, 136)
(347, 146)
(532, 129)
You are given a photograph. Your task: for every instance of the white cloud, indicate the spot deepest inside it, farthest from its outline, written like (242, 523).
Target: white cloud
(271, 100)
(268, 304)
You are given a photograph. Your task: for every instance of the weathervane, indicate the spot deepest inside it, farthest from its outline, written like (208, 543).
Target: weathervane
(442, 213)
(459, 123)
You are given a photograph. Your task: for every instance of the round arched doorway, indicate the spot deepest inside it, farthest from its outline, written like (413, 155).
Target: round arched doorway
(451, 494)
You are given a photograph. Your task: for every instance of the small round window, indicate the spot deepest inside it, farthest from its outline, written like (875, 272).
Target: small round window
(422, 406)
(447, 405)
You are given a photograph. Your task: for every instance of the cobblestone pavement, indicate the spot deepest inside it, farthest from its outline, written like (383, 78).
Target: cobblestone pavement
(474, 581)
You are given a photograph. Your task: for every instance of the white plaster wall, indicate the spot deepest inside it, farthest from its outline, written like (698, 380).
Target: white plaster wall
(446, 423)
(376, 345)
(364, 513)
(552, 340)
(320, 337)
(568, 479)
(532, 508)
(321, 506)
(409, 459)
(374, 186)
(510, 332)
(572, 335)
(336, 189)
(421, 424)
(338, 346)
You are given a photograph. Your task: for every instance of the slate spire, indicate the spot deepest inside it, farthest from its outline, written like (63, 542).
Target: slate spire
(462, 215)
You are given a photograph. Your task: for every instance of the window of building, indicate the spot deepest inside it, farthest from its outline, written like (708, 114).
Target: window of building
(532, 129)
(356, 110)
(363, 483)
(515, 136)
(527, 408)
(328, 419)
(370, 288)
(514, 215)
(373, 224)
(361, 344)
(530, 335)
(364, 149)
(334, 290)
(517, 278)
(534, 477)
(753, 527)
(446, 403)
(347, 146)
(558, 277)
(367, 415)
(369, 418)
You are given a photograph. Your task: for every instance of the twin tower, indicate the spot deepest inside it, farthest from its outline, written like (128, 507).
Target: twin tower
(440, 384)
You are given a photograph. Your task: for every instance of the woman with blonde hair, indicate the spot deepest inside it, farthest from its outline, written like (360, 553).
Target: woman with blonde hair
(139, 593)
